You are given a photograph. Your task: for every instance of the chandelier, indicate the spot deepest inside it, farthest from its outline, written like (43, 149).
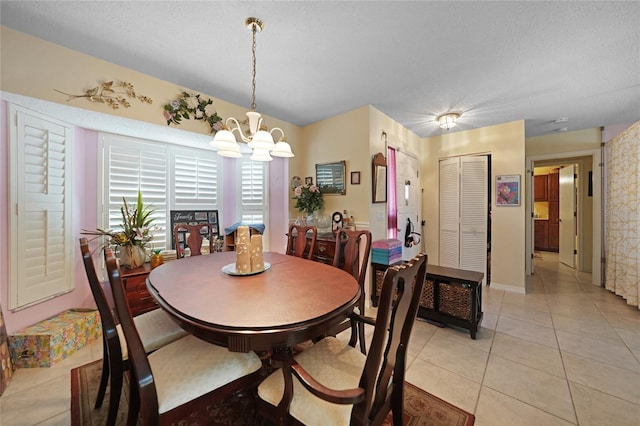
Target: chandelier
(259, 138)
(447, 121)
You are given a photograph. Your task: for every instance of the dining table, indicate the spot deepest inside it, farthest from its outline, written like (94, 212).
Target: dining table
(293, 300)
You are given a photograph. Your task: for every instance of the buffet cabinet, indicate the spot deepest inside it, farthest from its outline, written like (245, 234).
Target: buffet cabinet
(135, 285)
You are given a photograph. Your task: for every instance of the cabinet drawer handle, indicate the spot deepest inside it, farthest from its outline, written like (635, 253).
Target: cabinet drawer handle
(322, 249)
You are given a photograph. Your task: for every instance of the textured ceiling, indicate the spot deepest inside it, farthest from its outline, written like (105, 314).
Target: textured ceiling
(492, 62)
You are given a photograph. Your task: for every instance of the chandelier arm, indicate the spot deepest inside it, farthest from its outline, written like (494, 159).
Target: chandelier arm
(237, 128)
(278, 129)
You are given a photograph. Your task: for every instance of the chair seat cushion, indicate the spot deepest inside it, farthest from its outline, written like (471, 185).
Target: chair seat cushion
(189, 367)
(156, 329)
(332, 363)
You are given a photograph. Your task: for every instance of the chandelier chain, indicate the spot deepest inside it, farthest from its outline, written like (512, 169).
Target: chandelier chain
(253, 81)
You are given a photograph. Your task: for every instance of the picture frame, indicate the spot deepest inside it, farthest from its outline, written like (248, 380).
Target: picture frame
(508, 191)
(308, 180)
(330, 178)
(295, 182)
(355, 178)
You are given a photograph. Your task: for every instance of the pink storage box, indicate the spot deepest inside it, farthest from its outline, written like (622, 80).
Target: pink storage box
(54, 339)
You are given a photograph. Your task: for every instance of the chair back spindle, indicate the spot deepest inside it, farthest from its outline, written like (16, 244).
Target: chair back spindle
(297, 240)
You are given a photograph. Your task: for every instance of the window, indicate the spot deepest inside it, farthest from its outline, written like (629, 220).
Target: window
(169, 177)
(253, 202)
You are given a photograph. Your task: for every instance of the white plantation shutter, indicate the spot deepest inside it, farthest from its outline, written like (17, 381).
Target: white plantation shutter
(195, 179)
(253, 203)
(41, 240)
(170, 178)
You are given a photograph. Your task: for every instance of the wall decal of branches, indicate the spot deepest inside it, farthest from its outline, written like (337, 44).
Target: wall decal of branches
(114, 95)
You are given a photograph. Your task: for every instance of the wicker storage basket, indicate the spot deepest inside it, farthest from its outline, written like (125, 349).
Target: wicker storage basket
(455, 300)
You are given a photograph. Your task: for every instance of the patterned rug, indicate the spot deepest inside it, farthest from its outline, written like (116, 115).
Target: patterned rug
(420, 407)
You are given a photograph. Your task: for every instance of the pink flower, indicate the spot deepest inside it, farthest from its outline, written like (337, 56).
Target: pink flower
(298, 191)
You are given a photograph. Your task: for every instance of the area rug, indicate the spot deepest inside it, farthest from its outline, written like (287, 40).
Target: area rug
(420, 407)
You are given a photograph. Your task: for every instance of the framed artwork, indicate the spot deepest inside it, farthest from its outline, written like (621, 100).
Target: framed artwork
(308, 180)
(330, 178)
(355, 178)
(508, 190)
(192, 217)
(295, 182)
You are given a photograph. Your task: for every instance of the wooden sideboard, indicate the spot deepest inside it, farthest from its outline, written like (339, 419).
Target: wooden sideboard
(135, 284)
(325, 248)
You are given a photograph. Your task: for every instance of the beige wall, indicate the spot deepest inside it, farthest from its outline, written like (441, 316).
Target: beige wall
(398, 137)
(505, 143)
(343, 137)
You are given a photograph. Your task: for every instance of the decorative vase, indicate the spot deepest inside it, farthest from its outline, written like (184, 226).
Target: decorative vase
(311, 218)
(132, 256)
(156, 260)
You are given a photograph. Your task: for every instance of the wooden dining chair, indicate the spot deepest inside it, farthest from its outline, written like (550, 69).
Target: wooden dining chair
(188, 235)
(156, 329)
(352, 255)
(181, 378)
(336, 384)
(297, 241)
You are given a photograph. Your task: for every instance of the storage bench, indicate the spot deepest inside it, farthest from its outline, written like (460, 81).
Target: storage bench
(449, 296)
(55, 338)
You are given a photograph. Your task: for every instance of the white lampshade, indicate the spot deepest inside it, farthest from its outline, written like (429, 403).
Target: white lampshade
(282, 149)
(223, 139)
(260, 155)
(262, 140)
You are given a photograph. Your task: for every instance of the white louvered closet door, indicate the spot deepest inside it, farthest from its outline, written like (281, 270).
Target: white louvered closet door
(473, 213)
(41, 242)
(464, 212)
(450, 212)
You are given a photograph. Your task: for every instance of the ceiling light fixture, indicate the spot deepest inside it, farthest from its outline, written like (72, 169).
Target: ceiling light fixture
(447, 121)
(259, 139)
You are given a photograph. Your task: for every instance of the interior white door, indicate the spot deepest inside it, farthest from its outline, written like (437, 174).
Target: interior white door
(568, 216)
(474, 205)
(409, 202)
(449, 200)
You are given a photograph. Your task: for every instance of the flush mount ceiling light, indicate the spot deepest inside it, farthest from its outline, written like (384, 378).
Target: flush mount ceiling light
(447, 121)
(259, 139)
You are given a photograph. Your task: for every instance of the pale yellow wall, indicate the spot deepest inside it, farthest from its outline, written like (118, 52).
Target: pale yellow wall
(397, 136)
(579, 140)
(34, 67)
(505, 143)
(343, 137)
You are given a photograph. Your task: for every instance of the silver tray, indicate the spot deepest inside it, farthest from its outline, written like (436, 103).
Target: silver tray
(230, 269)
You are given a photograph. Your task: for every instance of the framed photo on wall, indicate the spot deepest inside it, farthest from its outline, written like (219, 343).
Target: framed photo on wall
(508, 190)
(355, 178)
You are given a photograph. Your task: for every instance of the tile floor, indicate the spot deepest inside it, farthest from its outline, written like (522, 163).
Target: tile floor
(566, 353)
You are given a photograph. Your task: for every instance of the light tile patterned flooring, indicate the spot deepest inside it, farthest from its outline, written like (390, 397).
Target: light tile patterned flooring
(566, 353)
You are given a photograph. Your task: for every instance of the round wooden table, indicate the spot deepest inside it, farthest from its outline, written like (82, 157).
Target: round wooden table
(293, 301)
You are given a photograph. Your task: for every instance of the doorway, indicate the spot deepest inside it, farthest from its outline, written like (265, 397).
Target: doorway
(588, 198)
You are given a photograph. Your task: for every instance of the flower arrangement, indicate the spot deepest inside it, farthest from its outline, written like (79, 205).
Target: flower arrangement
(308, 198)
(136, 226)
(193, 104)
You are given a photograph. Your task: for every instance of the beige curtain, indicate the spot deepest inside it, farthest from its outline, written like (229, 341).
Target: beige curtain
(622, 218)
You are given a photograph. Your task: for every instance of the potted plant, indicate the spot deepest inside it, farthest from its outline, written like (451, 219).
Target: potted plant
(135, 235)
